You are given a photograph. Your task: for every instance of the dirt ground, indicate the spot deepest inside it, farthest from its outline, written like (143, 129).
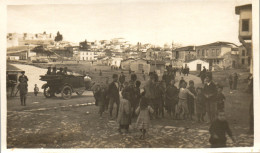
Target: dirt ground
(75, 123)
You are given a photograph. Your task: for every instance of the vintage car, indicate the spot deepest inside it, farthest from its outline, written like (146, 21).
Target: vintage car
(64, 84)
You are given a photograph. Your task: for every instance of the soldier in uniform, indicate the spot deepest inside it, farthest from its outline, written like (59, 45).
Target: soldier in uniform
(23, 86)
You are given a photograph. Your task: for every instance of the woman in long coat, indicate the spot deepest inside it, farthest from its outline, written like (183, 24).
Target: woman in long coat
(124, 115)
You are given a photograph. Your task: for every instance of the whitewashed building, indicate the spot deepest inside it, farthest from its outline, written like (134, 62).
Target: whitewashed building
(86, 55)
(196, 64)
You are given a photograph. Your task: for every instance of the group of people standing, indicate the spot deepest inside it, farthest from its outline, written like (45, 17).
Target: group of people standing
(159, 95)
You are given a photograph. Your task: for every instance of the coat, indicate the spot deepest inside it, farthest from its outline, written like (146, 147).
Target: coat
(211, 91)
(143, 120)
(124, 112)
(113, 91)
(171, 97)
(149, 90)
(200, 104)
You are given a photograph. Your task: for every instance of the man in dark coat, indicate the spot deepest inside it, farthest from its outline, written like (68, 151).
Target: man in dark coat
(113, 94)
(210, 91)
(23, 86)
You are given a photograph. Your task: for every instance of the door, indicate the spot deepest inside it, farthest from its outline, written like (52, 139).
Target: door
(198, 67)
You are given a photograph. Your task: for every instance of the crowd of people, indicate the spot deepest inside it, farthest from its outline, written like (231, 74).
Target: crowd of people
(158, 96)
(53, 71)
(180, 103)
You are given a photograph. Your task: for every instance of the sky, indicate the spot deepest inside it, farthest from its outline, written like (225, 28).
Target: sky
(158, 22)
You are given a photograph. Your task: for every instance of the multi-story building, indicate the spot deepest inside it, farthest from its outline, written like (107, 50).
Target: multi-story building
(245, 30)
(218, 54)
(85, 55)
(244, 57)
(182, 54)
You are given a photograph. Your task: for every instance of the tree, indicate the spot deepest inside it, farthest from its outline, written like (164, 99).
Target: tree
(84, 45)
(59, 37)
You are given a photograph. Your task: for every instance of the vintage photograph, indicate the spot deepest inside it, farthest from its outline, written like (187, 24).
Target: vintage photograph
(159, 74)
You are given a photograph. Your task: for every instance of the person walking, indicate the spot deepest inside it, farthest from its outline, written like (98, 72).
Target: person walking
(23, 87)
(218, 130)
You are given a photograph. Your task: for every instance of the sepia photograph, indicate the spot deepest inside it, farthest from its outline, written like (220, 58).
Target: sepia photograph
(130, 74)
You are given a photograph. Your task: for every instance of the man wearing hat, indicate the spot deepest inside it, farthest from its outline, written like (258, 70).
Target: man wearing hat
(23, 86)
(113, 94)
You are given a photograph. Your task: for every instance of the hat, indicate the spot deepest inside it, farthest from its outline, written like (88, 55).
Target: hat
(23, 72)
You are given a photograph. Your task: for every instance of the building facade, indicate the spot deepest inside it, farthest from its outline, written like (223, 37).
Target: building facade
(86, 55)
(245, 30)
(196, 65)
(139, 65)
(182, 54)
(218, 54)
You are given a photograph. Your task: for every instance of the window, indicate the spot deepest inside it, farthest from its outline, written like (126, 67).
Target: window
(213, 52)
(243, 53)
(217, 61)
(245, 25)
(217, 52)
(206, 52)
(198, 53)
(83, 58)
(249, 61)
(203, 52)
(243, 61)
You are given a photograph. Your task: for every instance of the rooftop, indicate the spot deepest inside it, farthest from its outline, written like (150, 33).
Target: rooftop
(219, 43)
(187, 48)
(242, 7)
(156, 62)
(187, 61)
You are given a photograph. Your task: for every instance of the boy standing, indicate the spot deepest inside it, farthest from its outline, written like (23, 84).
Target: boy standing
(36, 90)
(220, 98)
(171, 99)
(218, 130)
(191, 99)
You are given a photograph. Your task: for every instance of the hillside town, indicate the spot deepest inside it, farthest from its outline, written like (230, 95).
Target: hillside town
(116, 94)
(118, 52)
